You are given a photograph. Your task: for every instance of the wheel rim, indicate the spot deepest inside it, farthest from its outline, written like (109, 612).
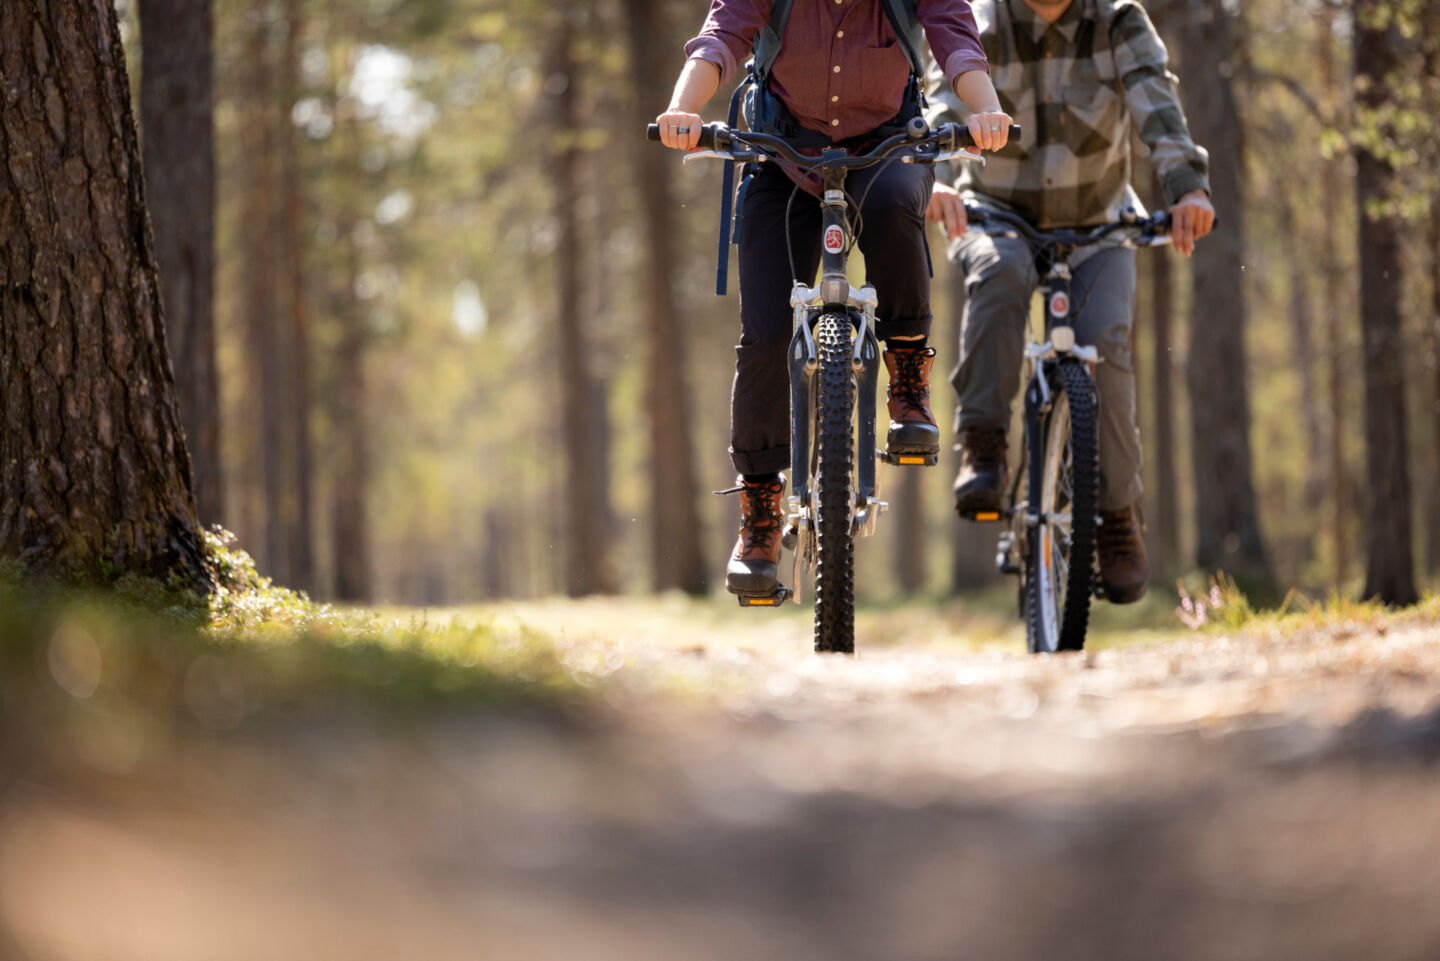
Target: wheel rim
(1053, 534)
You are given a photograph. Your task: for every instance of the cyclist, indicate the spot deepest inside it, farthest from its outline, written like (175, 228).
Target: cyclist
(840, 76)
(1076, 73)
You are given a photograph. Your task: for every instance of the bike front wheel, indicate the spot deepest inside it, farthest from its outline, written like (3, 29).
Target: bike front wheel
(834, 486)
(1060, 572)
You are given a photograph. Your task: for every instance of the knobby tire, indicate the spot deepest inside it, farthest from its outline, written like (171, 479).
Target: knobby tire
(1074, 393)
(834, 439)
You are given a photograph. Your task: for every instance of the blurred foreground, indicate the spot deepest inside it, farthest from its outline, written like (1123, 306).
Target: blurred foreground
(673, 780)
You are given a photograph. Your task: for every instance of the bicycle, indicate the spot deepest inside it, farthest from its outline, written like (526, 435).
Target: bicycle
(1050, 543)
(834, 363)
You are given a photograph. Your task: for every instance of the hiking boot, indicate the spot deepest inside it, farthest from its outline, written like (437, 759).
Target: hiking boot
(980, 484)
(754, 564)
(1124, 569)
(913, 431)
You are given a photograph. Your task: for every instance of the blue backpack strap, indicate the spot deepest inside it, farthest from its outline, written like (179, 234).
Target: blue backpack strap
(727, 196)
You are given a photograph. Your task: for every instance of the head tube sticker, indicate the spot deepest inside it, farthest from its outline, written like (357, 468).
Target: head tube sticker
(1059, 304)
(834, 239)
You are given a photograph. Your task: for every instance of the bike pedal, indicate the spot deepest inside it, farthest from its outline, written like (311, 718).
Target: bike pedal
(911, 460)
(781, 595)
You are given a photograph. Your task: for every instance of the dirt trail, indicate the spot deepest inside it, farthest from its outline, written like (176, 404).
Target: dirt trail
(1211, 797)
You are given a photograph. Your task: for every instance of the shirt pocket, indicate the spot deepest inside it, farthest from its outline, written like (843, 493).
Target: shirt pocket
(883, 73)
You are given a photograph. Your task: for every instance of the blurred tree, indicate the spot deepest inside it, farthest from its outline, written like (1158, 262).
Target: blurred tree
(589, 521)
(296, 508)
(1389, 561)
(176, 94)
(1227, 524)
(1329, 261)
(677, 544)
(94, 473)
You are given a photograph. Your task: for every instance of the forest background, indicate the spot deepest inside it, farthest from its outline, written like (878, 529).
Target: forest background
(464, 342)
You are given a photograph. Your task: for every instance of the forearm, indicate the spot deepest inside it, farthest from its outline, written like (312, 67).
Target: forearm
(698, 82)
(974, 87)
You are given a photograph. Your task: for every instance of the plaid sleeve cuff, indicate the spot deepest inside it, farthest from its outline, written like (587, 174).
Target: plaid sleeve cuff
(1180, 181)
(713, 51)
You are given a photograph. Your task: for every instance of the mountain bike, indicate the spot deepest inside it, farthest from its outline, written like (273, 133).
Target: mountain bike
(1050, 540)
(834, 360)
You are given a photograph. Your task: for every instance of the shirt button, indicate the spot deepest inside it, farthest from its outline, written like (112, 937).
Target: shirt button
(835, 99)
(834, 123)
(837, 68)
(839, 34)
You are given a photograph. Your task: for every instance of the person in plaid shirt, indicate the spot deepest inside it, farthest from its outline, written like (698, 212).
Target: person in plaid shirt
(1075, 74)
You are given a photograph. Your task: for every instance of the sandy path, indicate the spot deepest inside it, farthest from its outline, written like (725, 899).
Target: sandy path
(1211, 797)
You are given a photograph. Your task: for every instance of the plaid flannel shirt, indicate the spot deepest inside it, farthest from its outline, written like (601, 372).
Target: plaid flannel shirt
(1075, 97)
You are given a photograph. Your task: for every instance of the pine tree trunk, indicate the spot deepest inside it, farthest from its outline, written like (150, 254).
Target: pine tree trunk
(1432, 544)
(349, 500)
(1301, 338)
(176, 95)
(588, 517)
(1227, 524)
(1389, 562)
(1334, 329)
(298, 456)
(676, 552)
(1166, 523)
(94, 472)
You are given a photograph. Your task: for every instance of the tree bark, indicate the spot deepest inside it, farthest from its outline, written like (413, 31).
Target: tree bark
(176, 98)
(1432, 544)
(1311, 416)
(1226, 516)
(676, 552)
(298, 504)
(1389, 561)
(94, 472)
(350, 528)
(1167, 481)
(588, 517)
(1334, 322)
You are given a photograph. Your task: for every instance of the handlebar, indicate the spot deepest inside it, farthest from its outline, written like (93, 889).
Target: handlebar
(722, 140)
(1153, 230)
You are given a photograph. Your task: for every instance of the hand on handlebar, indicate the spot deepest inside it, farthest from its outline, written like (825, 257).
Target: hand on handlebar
(679, 129)
(948, 209)
(990, 131)
(1192, 217)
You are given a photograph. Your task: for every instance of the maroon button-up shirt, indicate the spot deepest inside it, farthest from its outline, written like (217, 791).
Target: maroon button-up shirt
(841, 69)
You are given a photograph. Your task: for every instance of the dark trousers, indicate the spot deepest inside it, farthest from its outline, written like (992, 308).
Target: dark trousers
(892, 199)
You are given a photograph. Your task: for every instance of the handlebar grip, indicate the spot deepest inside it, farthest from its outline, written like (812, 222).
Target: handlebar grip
(961, 135)
(707, 135)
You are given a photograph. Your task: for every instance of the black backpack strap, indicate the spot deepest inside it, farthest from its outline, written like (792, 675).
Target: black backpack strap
(907, 28)
(767, 41)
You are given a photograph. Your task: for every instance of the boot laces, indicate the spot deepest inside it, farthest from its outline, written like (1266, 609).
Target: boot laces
(908, 379)
(760, 514)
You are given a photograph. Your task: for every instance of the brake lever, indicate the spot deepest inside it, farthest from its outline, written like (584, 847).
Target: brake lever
(972, 155)
(743, 157)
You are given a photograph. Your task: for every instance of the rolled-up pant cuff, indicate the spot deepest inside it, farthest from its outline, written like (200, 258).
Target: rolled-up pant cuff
(769, 461)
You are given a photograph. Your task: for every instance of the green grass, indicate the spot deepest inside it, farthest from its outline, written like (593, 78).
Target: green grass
(117, 674)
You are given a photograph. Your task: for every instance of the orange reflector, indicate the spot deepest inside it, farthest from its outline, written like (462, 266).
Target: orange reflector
(987, 516)
(760, 603)
(912, 460)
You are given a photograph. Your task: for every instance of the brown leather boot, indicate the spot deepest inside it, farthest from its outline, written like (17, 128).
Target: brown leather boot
(984, 472)
(754, 564)
(913, 430)
(1124, 568)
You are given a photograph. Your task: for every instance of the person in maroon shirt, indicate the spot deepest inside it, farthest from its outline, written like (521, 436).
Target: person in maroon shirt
(841, 73)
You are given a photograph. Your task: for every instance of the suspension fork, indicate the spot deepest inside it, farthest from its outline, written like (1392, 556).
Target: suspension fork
(867, 375)
(803, 363)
